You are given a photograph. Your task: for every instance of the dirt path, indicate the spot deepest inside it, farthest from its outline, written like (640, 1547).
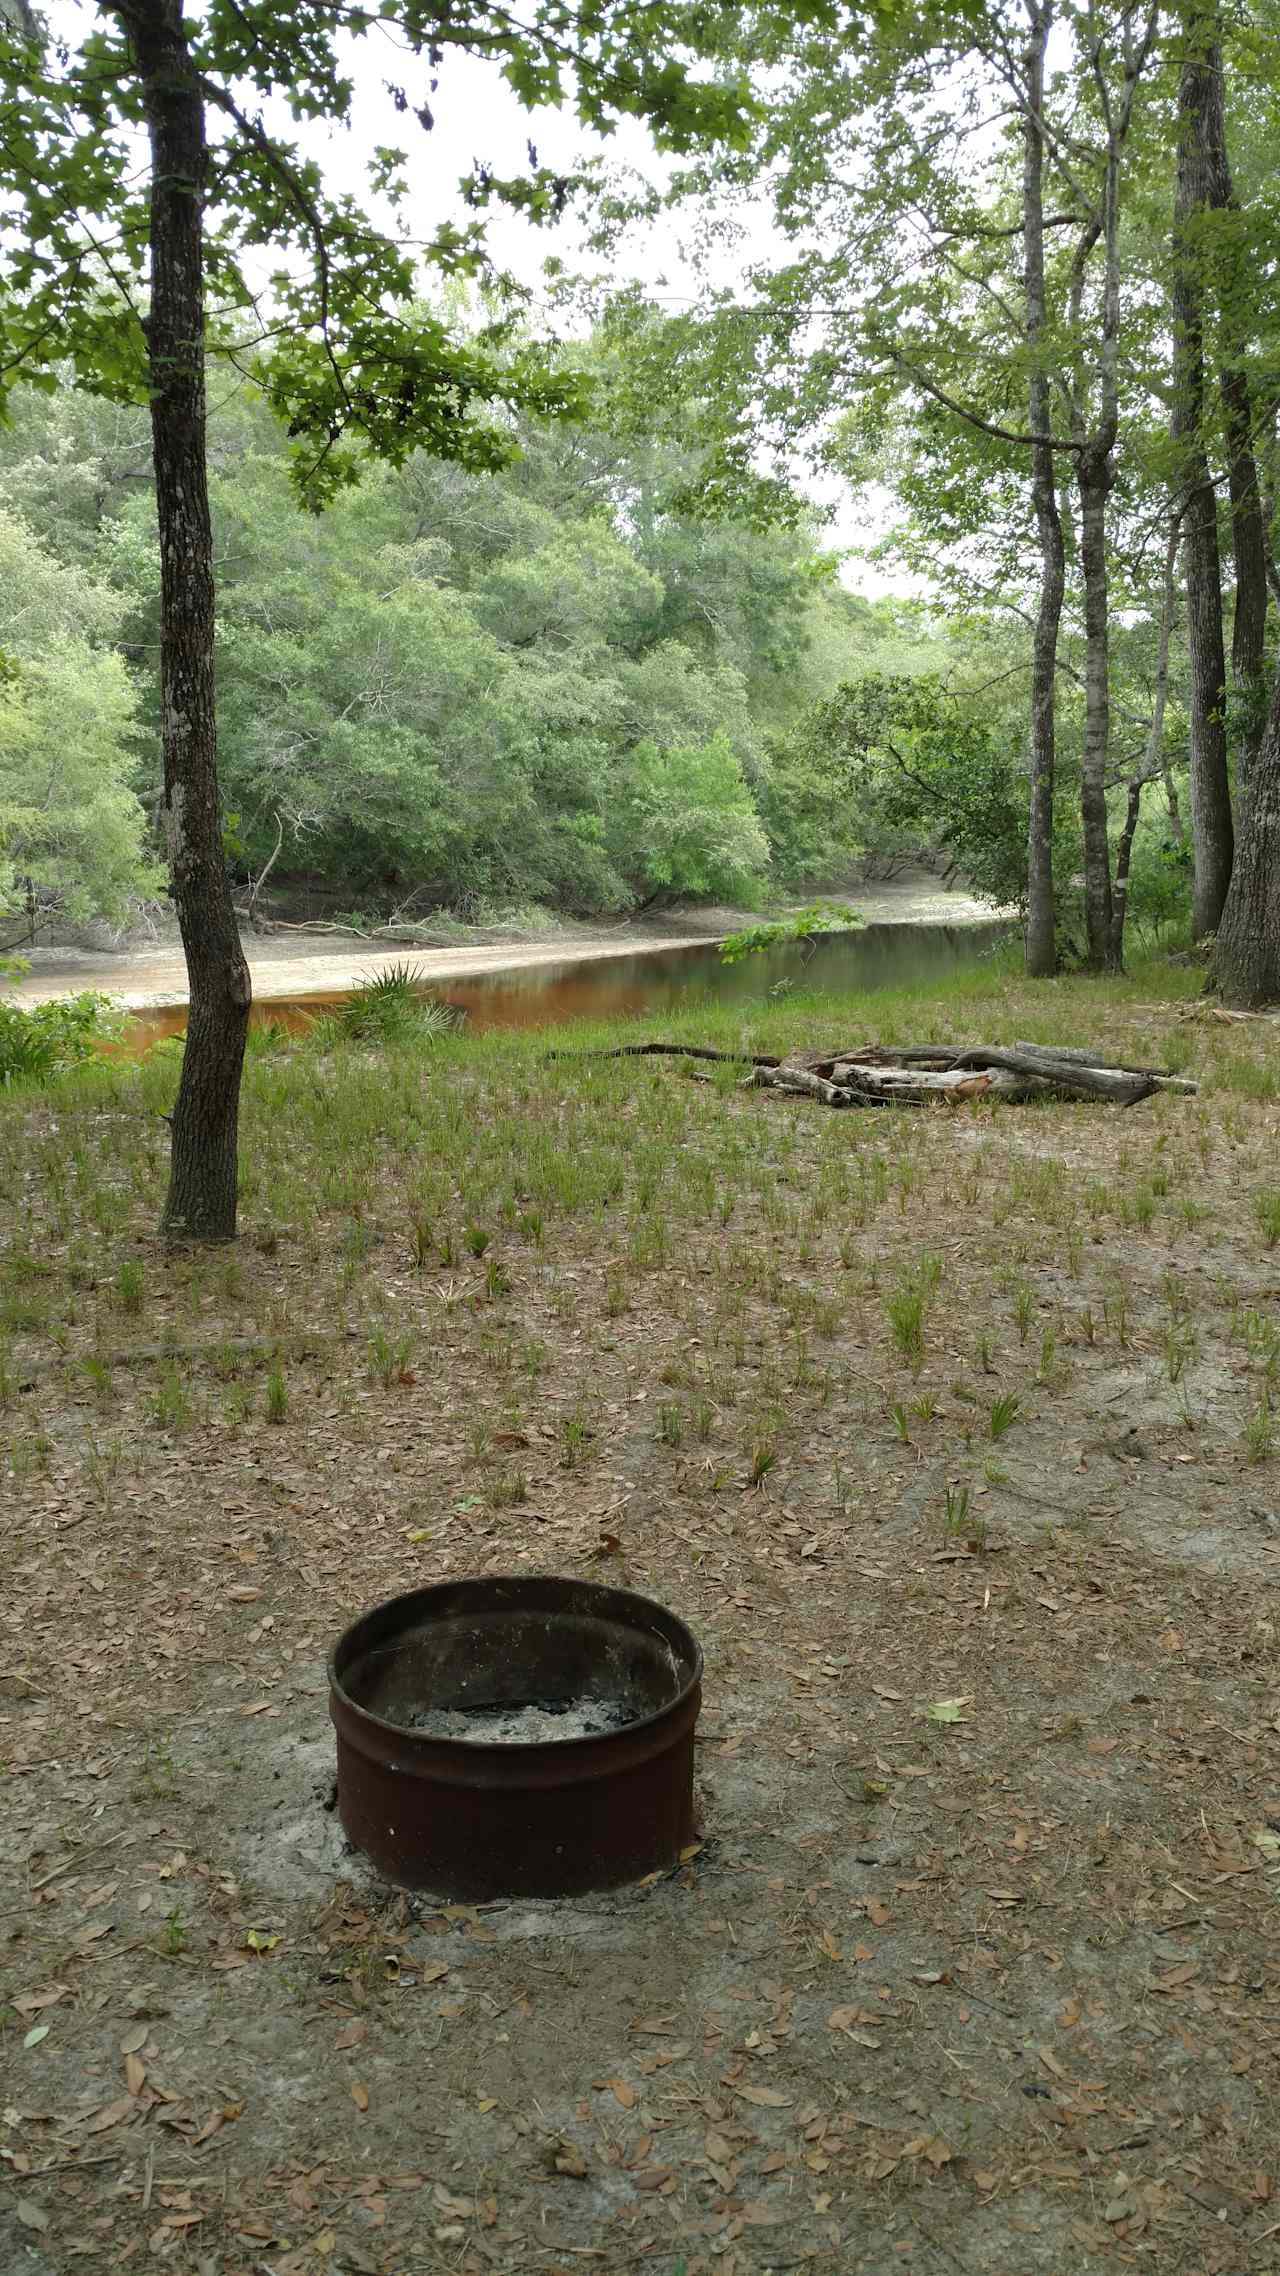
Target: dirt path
(287, 965)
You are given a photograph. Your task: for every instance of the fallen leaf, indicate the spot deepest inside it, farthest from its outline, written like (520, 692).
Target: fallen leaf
(111, 2115)
(37, 2032)
(351, 2036)
(360, 2097)
(31, 2215)
(620, 2091)
(448, 2203)
(1174, 1977)
(948, 1711)
(135, 2038)
(765, 2097)
(135, 2073)
(30, 2003)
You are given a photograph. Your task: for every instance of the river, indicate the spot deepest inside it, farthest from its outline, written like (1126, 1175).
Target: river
(611, 986)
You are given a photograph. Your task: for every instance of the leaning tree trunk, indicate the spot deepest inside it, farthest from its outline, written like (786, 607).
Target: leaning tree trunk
(1211, 825)
(1247, 959)
(1041, 934)
(201, 1203)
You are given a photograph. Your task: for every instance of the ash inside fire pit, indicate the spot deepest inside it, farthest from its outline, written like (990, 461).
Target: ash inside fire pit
(513, 1725)
(516, 1736)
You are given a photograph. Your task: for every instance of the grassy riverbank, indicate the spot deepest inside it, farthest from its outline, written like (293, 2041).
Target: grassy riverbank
(951, 1433)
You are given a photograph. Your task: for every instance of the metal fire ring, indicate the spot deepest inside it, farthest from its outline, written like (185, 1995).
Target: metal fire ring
(472, 1819)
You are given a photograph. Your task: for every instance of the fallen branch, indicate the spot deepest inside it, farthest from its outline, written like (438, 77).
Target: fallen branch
(251, 906)
(673, 1051)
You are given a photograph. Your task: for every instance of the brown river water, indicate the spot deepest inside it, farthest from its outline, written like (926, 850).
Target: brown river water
(646, 981)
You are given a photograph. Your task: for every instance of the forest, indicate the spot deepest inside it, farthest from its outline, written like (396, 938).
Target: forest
(474, 692)
(639, 1212)
(1019, 317)
(449, 689)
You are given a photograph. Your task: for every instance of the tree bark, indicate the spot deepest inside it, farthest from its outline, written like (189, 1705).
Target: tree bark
(1041, 941)
(1248, 948)
(1248, 526)
(1153, 763)
(1095, 476)
(201, 1202)
(1212, 834)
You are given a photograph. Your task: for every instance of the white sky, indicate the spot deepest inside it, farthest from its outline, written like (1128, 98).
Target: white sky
(478, 118)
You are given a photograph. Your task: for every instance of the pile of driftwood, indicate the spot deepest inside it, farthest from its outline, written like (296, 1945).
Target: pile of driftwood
(876, 1074)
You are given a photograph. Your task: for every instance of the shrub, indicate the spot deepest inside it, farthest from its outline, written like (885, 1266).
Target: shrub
(390, 1007)
(40, 1043)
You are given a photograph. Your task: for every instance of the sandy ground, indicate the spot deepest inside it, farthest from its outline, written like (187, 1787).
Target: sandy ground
(287, 965)
(975, 1971)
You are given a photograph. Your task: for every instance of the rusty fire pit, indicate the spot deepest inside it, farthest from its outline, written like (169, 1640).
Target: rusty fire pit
(524, 1737)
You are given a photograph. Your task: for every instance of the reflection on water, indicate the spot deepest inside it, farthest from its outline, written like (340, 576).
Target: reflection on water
(651, 980)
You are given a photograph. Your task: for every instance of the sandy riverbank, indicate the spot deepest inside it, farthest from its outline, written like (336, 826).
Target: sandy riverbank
(288, 965)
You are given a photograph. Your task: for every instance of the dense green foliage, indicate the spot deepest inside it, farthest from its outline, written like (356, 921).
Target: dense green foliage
(44, 1040)
(71, 826)
(539, 683)
(590, 661)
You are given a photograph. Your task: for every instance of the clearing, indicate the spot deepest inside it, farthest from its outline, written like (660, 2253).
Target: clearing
(950, 1432)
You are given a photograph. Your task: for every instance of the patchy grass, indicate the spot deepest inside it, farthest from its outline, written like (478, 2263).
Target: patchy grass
(977, 1964)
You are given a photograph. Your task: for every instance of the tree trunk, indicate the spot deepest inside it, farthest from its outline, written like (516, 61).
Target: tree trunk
(1153, 762)
(1041, 942)
(1095, 479)
(1248, 527)
(1249, 550)
(201, 1202)
(1211, 824)
(1248, 951)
